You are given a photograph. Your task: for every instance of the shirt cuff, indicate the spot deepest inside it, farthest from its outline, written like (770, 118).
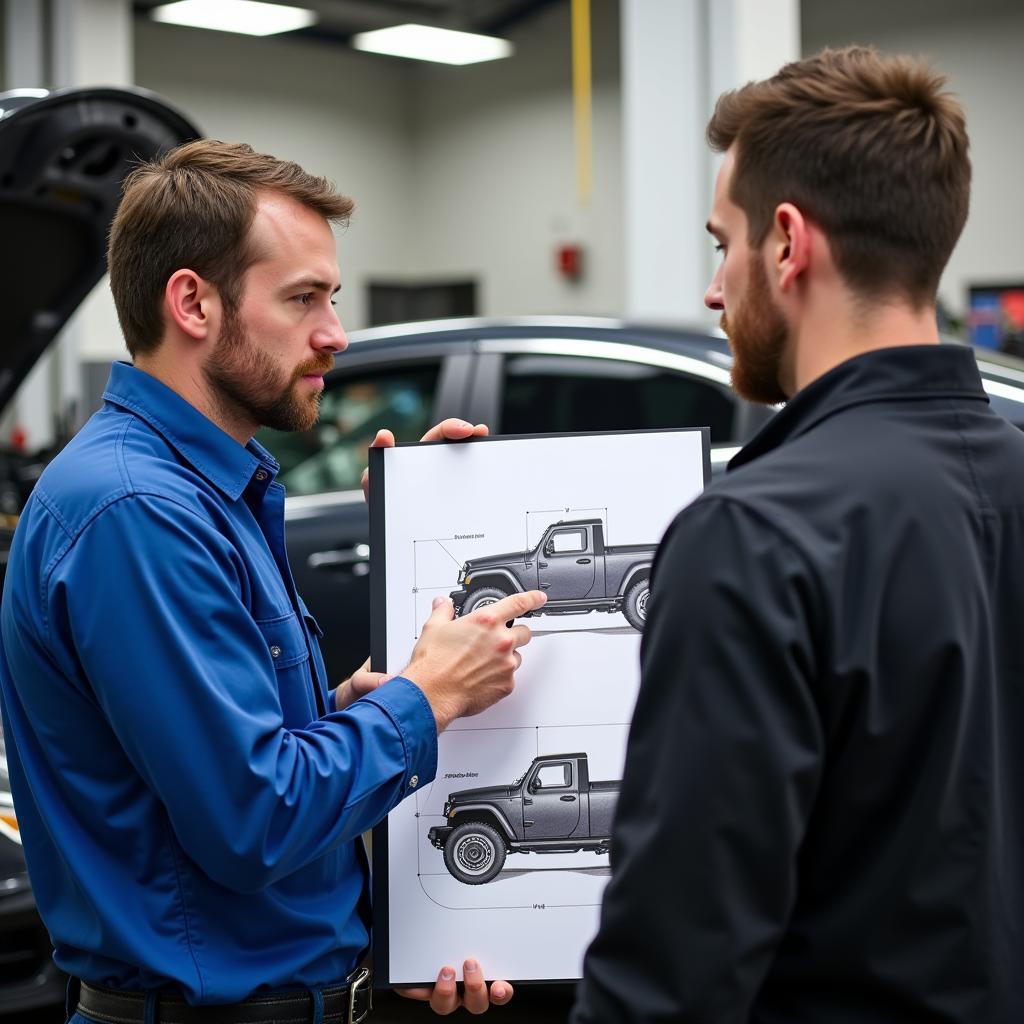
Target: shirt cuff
(405, 704)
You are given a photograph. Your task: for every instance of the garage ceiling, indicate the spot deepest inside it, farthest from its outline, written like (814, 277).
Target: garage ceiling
(339, 20)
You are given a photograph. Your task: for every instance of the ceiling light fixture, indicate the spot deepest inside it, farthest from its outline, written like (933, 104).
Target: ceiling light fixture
(245, 16)
(421, 42)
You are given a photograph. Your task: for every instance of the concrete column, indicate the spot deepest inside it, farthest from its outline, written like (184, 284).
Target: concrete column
(677, 57)
(25, 67)
(91, 43)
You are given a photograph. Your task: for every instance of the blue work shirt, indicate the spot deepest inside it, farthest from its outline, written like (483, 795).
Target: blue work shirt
(190, 811)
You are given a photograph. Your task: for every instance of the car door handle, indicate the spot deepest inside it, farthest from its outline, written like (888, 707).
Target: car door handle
(527, 803)
(355, 559)
(542, 565)
(583, 561)
(567, 799)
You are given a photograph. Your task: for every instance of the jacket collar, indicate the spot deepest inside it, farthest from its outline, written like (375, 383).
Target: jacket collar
(904, 373)
(209, 450)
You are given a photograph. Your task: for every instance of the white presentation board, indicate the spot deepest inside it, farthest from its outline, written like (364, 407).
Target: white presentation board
(514, 876)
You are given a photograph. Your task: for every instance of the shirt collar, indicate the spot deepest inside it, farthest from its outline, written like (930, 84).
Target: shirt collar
(904, 373)
(228, 465)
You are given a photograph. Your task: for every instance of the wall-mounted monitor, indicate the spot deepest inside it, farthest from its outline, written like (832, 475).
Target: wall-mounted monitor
(996, 317)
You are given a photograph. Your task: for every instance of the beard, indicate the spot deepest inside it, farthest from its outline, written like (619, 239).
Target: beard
(757, 334)
(247, 383)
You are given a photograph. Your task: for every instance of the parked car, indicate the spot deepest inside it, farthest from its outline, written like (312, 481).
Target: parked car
(63, 157)
(572, 564)
(553, 807)
(524, 375)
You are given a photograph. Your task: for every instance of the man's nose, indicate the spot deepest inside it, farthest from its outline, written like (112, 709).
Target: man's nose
(330, 336)
(713, 296)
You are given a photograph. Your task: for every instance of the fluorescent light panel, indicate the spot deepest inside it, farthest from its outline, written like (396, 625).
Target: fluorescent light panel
(245, 16)
(422, 42)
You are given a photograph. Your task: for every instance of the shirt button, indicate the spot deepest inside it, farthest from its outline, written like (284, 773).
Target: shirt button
(261, 474)
(414, 782)
(275, 651)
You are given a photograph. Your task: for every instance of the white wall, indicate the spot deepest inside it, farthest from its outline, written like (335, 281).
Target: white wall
(456, 172)
(980, 46)
(338, 113)
(494, 159)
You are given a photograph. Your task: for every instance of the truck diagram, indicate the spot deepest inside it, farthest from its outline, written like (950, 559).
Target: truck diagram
(573, 565)
(553, 807)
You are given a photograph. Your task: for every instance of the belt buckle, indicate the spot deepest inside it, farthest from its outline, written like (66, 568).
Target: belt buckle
(360, 981)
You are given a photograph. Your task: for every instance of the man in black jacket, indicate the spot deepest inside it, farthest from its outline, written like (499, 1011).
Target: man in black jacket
(822, 815)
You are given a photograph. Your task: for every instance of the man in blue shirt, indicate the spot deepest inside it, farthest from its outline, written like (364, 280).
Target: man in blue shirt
(190, 793)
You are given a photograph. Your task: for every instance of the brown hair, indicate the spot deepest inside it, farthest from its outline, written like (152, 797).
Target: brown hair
(870, 148)
(193, 208)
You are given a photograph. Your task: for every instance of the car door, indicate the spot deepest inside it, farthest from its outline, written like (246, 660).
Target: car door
(551, 804)
(565, 569)
(542, 385)
(328, 533)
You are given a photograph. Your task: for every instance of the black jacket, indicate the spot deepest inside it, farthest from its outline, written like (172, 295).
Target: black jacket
(822, 815)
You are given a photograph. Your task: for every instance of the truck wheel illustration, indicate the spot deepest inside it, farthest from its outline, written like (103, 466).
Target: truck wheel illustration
(474, 853)
(482, 598)
(635, 605)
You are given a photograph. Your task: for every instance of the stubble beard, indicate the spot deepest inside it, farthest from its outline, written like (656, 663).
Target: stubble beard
(246, 383)
(758, 335)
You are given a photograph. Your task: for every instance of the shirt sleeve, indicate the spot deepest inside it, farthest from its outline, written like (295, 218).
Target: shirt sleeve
(724, 761)
(148, 609)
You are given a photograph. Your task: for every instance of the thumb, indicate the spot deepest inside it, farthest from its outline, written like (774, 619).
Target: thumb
(442, 610)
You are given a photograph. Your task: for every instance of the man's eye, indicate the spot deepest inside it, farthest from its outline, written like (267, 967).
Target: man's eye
(304, 299)
(719, 247)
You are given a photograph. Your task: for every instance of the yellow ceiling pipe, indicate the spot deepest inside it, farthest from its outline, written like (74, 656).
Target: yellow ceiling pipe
(582, 99)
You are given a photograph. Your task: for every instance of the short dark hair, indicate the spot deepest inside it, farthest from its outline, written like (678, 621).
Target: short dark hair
(193, 208)
(870, 148)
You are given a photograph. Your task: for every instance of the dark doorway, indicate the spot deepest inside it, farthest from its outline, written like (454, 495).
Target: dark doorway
(393, 303)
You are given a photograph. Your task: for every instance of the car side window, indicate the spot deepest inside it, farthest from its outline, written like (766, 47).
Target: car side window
(331, 455)
(556, 394)
(554, 776)
(568, 542)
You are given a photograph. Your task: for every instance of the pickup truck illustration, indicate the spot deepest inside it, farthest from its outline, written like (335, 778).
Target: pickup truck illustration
(552, 808)
(573, 565)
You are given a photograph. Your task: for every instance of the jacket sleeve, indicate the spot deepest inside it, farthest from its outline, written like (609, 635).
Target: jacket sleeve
(149, 609)
(723, 764)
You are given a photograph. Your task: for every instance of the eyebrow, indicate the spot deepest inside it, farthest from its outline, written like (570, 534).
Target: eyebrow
(313, 284)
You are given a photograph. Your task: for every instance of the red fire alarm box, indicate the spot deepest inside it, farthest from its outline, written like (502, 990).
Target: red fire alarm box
(570, 261)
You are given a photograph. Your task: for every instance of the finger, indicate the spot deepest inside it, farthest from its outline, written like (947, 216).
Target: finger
(474, 988)
(481, 430)
(518, 660)
(516, 605)
(521, 636)
(445, 998)
(451, 430)
(421, 994)
(501, 992)
(384, 439)
(442, 610)
(363, 683)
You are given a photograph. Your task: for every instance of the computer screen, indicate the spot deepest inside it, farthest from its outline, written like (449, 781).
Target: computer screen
(996, 317)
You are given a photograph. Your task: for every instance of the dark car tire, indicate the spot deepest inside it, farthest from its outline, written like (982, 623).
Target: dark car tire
(474, 853)
(635, 605)
(483, 597)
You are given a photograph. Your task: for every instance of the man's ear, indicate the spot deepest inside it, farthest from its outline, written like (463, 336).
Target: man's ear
(790, 245)
(191, 303)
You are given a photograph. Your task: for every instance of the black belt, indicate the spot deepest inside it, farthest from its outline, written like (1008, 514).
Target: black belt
(342, 1004)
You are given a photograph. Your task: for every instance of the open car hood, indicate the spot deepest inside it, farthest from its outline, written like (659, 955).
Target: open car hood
(63, 156)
